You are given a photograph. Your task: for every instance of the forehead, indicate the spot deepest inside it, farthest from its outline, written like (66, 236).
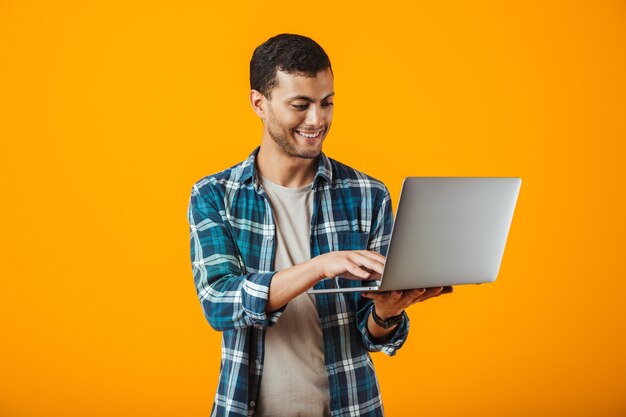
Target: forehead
(316, 87)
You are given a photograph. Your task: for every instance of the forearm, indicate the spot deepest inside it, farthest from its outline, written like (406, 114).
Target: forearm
(289, 283)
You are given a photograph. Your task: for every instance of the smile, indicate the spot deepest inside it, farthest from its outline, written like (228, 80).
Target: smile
(309, 135)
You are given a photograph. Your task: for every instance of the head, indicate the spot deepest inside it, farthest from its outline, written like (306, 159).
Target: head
(292, 92)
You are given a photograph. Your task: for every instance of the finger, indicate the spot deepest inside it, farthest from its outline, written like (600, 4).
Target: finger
(377, 255)
(412, 296)
(435, 293)
(420, 294)
(381, 296)
(414, 292)
(395, 296)
(357, 272)
(409, 297)
(445, 290)
(431, 292)
(372, 255)
(374, 275)
(363, 260)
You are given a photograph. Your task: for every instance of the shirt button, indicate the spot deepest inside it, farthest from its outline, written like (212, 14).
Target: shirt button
(252, 403)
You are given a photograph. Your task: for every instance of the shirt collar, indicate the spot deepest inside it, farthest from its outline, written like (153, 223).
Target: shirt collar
(324, 169)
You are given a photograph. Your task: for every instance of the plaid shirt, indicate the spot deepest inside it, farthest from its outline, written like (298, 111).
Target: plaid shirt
(233, 237)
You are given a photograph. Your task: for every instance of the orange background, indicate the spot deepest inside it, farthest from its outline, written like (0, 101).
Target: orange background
(110, 111)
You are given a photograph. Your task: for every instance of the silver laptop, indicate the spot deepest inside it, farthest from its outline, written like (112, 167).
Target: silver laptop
(447, 231)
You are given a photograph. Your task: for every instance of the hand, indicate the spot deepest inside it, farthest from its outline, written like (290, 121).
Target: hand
(357, 264)
(393, 303)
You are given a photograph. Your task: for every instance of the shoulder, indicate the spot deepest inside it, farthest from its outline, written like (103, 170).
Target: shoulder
(221, 182)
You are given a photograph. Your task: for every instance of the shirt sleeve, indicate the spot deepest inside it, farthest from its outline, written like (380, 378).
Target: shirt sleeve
(229, 297)
(380, 236)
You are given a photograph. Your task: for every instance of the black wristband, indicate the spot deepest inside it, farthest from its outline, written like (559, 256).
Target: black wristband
(390, 322)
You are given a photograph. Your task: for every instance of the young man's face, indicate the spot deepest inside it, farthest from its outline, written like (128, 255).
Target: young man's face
(300, 112)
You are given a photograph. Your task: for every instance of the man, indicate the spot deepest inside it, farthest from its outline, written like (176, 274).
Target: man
(286, 219)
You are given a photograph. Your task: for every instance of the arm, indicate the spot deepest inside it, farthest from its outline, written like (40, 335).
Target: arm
(229, 297)
(233, 299)
(289, 283)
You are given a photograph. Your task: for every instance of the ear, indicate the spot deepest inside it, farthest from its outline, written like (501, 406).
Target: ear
(258, 102)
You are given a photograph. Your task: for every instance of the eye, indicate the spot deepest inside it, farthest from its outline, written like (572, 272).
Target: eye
(327, 104)
(300, 106)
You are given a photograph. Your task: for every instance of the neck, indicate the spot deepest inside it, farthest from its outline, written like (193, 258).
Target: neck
(285, 170)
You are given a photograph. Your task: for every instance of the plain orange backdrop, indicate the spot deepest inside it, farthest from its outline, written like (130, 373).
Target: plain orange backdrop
(110, 111)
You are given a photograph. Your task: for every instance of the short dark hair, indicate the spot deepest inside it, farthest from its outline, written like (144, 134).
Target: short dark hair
(294, 54)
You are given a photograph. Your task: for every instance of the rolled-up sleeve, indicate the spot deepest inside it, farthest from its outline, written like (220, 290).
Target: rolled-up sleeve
(395, 342)
(230, 298)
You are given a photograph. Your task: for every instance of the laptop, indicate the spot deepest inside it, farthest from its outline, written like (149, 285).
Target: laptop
(447, 231)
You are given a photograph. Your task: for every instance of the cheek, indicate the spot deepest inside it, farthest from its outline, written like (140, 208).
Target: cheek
(287, 121)
(293, 120)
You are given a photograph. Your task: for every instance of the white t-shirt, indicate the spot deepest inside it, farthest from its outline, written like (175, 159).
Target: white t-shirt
(294, 380)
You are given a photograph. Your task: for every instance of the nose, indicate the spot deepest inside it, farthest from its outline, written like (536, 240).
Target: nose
(314, 116)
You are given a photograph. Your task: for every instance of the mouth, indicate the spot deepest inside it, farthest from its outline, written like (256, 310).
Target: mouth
(310, 137)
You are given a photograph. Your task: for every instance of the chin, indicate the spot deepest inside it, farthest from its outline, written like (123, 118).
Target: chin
(306, 154)
(291, 146)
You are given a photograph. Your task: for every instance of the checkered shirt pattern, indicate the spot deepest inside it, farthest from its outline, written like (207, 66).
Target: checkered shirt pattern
(233, 240)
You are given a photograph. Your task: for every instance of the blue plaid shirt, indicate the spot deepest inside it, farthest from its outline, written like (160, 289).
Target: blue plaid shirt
(233, 240)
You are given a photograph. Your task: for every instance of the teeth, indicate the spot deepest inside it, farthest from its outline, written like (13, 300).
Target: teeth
(309, 135)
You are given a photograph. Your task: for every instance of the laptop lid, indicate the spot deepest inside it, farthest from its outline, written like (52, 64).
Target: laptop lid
(448, 231)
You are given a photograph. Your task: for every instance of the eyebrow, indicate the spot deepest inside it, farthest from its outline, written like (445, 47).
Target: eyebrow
(309, 99)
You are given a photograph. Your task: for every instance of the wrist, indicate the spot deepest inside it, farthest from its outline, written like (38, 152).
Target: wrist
(317, 268)
(386, 314)
(386, 321)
